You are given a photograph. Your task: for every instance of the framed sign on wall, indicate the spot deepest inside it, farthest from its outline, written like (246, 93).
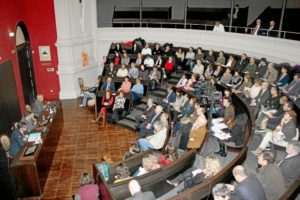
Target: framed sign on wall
(44, 52)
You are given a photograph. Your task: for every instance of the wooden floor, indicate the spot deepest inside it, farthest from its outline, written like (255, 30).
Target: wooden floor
(82, 143)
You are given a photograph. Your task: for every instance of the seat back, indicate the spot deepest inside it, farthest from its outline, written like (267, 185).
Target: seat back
(5, 142)
(81, 83)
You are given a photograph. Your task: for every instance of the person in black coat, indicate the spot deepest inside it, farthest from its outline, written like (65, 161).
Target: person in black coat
(248, 187)
(242, 63)
(289, 165)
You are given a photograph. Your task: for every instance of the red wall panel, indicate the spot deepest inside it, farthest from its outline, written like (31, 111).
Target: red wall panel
(39, 18)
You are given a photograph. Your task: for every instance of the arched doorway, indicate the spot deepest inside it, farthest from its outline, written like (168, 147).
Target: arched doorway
(25, 63)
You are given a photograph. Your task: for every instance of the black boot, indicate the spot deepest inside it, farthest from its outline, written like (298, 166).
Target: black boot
(220, 151)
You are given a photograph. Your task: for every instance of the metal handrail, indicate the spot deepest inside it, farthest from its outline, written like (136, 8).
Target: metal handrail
(207, 27)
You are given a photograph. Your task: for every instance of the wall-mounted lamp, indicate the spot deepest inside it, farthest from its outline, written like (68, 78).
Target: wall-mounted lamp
(11, 34)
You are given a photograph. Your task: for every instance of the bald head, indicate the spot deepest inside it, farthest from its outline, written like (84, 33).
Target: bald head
(239, 173)
(134, 187)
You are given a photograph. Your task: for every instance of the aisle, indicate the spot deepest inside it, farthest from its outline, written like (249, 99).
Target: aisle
(81, 144)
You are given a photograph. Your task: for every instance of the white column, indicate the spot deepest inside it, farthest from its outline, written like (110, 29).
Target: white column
(75, 24)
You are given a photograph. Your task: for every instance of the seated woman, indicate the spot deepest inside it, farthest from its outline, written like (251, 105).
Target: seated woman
(251, 93)
(155, 141)
(117, 58)
(246, 84)
(195, 175)
(193, 136)
(169, 67)
(218, 72)
(284, 79)
(149, 163)
(181, 83)
(107, 104)
(190, 85)
(88, 189)
(139, 59)
(91, 93)
(209, 70)
(179, 57)
(126, 85)
(143, 73)
(227, 77)
(118, 106)
(236, 80)
(125, 58)
(282, 135)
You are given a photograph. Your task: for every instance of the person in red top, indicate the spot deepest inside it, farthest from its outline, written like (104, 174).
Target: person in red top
(88, 190)
(117, 59)
(107, 104)
(169, 66)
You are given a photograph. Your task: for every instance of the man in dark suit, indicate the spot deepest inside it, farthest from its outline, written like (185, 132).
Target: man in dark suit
(148, 124)
(293, 89)
(270, 176)
(271, 32)
(148, 113)
(111, 70)
(289, 165)
(261, 99)
(137, 194)
(242, 63)
(18, 139)
(170, 98)
(257, 30)
(249, 187)
(38, 105)
(154, 78)
(109, 85)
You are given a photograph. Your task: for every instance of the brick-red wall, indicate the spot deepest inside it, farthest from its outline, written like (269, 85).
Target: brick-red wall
(39, 18)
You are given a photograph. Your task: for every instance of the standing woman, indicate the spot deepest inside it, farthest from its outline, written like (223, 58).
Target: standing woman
(118, 106)
(107, 104)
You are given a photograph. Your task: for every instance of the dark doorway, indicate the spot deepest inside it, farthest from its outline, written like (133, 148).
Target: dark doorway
(9, 101)
(25, 64)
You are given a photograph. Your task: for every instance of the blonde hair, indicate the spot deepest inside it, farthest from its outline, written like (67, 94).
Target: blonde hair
(212, 166)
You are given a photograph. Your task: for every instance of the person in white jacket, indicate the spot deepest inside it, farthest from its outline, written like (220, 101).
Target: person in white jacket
(218, 27)
(155, 141)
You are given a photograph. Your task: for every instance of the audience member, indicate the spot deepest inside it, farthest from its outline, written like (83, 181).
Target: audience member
(217, 74)
(122, 72)
(146, 50)
(221, 191)
(227, 77)
(149, 62)
(126, 85)
(139, 59)
(29, 120)
(118, 107)
(282, 135)
(117, 58)
(154, 78)
(148, 113)
(159, 61)
(221, 58)
(257, 30)
(179, 57)
(284, 78)
(182, 81)
(271, 32)
(169, 67)
(109, 85)
(231, 62)
(209, 70)
(156, 50)
(148, 123)
(293, 89)
(125, 58)
(248, 187)
(135, 49)
(271, 74)
(289, 165)
(143, 73)
(91, 93)
(251, 67)
(118, 48)
(261, 68)
(88, 189)
(111, 70)
(190, 59)
(236, 80)
(133, 71)
(261, 99)
(155, 141)
(137, 91)
(218, 27)
(242, 63)
(199, 54)
(210, 57)
(270, 176)
(198, 68)
(137, 194)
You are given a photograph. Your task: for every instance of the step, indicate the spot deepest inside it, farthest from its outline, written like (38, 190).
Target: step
(127, 124)
(159, 93)
(133, 114)
(141, 107)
